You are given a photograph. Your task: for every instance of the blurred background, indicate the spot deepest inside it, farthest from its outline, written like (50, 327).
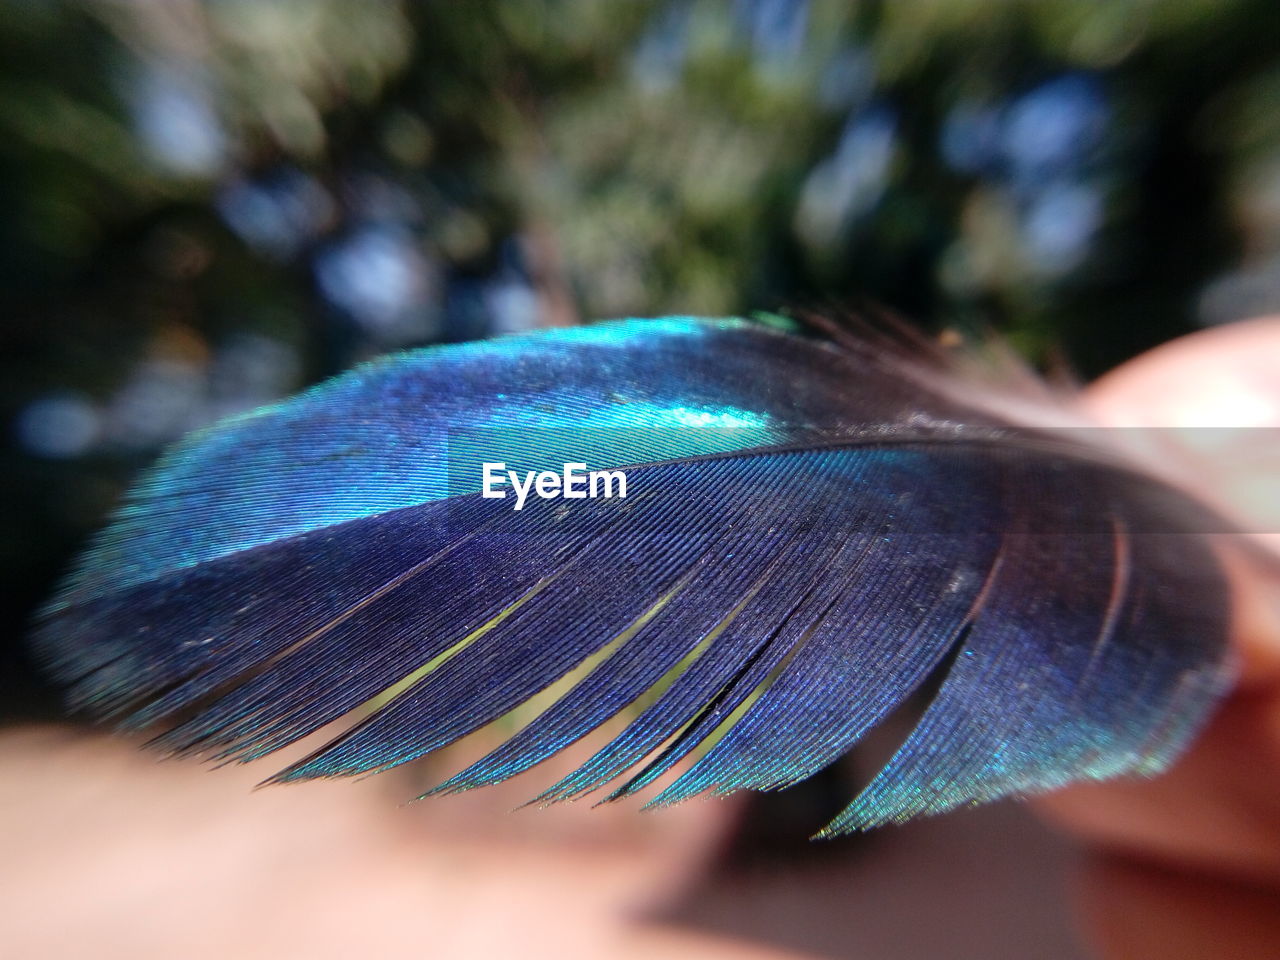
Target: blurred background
(208, 204)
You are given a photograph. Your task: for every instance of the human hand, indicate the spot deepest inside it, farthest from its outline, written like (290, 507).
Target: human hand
(1188, 865)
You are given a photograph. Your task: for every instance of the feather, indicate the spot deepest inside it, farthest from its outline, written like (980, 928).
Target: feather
(812, 529)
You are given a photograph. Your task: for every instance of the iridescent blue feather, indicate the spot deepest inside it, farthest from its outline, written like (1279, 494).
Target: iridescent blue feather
(811, 529)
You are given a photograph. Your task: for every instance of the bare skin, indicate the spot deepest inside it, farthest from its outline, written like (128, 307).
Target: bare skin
(1188, 865)
(105, 851)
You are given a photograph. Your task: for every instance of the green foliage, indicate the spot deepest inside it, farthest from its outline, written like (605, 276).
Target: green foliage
(208, 203)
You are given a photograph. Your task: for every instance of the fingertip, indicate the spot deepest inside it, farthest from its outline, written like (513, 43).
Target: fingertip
(1255, 589)
(1221, 377)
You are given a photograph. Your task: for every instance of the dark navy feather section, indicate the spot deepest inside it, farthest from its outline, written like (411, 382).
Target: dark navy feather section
(811, 530)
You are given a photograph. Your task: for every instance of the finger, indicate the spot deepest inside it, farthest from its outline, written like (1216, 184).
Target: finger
(1219, 808)
(1145, 910)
